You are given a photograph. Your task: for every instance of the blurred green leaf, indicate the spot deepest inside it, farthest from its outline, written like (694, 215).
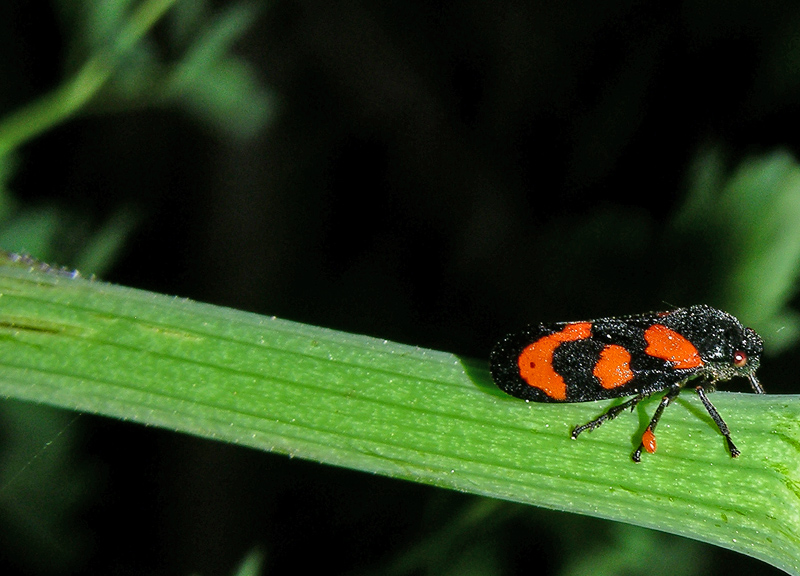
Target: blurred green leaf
(630, 550)
(750, 222)
(115, 59)
(215, 86)
(251, 564)
(228, 96)
(40, 232)
(104, 246)
(32, 231)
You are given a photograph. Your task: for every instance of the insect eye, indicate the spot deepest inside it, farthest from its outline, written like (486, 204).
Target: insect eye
(739, 359)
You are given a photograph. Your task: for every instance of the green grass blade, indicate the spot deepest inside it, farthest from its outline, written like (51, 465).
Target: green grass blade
(397, 410)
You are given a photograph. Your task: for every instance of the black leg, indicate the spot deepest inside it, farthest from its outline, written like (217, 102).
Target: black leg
(723, 428)
(609, 414)
(648, 442)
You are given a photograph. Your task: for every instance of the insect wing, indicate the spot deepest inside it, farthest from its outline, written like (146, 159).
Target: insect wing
(508, 358)
(583, 361)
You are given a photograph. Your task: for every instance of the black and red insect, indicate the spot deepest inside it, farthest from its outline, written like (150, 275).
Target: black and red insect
(629, 356)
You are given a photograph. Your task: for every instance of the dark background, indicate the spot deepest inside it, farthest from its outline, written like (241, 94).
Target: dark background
(433, 173)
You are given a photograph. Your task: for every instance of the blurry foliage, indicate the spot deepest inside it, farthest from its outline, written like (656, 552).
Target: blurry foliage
(191, 65)
(747, 226)
(116, 65)
(252, 564)
(625, 549)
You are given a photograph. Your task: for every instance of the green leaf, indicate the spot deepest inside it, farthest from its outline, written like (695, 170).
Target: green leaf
(119, 62)
(102, 248)
(76, 92)
(251, 564)
(217, 87)
(397, 410)
(747, 223)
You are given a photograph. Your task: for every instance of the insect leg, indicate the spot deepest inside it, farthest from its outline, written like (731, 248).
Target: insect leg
(648, 442)
(609, 414)
(723, 428)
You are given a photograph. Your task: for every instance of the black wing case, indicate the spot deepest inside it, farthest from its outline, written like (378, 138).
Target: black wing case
(582, 361)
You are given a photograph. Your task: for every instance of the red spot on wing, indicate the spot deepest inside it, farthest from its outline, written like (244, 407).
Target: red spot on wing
(613, 369)
(536, 360)
(649, 441)
(670, 346)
